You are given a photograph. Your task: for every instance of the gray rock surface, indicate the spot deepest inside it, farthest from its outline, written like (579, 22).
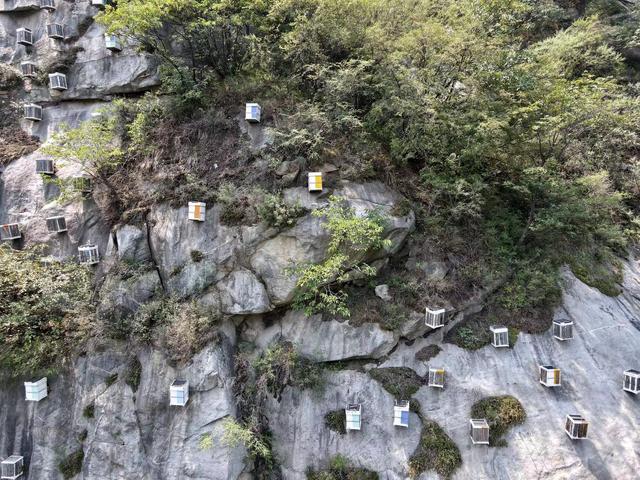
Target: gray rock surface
(302, 440)
(241, 293)
(132, 434)
(329, 340)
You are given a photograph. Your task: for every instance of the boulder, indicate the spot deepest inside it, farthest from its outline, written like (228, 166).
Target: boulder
(132, 244)
(382, 291)
(241, 293)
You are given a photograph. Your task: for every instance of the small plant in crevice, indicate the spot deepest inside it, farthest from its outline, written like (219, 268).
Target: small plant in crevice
(89, 410)
(336, 421)
(277, 213)
(111, 379)
(435, 451)
(196, 256)
(206, 441)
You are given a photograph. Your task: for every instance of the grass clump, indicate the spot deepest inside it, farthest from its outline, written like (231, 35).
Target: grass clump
(340, 469)
(401, 382)
(502, 413)
(427, 353)
(336, 420)
(435, 451)
(71, 465)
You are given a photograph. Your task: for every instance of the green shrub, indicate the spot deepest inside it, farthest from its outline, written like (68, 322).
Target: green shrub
(274, 211)
(336, 420)
(44, 311)
(436, 451)
(206, 441)
(401, 382)
(237, 434)
(502, 413)
(133, 373)
(281, 365)
(89, 410)
(71, 465)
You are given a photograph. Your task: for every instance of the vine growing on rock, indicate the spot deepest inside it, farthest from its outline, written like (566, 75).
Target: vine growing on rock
(352, 238)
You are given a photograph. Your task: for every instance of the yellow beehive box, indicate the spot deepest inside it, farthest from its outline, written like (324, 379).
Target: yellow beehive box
(315, 181)
(197, 211)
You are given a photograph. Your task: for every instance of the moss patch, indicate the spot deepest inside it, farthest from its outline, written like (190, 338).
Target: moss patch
(502, 413)
(427, 353)
(71, 465)
(401, 382)
(436, 451)
(336, 420)
(134, 371)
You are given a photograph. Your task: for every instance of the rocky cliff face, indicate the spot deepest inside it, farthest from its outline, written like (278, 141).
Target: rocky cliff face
(127, 429)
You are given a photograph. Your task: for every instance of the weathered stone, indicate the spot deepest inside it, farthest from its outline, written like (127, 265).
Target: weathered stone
(331, 340)
(241, 293)
(382, 291)
(132, 244)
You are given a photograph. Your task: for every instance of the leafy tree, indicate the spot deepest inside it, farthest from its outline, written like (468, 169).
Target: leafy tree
(93, 148)
(352, 237)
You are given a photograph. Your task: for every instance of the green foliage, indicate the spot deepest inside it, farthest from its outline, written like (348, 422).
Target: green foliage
(89, 410)
(93, 147)
(281, 365)
(133, 374)
(501, 413)
(340, 469)
(336, 420)
(196, 256)
(352, 237)
(181, 328)
(277, 213)
(211, 35)
(206, 441)
(44, 311)
(401, 382)
(436, 451)
(237, 434)
(71, 465)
